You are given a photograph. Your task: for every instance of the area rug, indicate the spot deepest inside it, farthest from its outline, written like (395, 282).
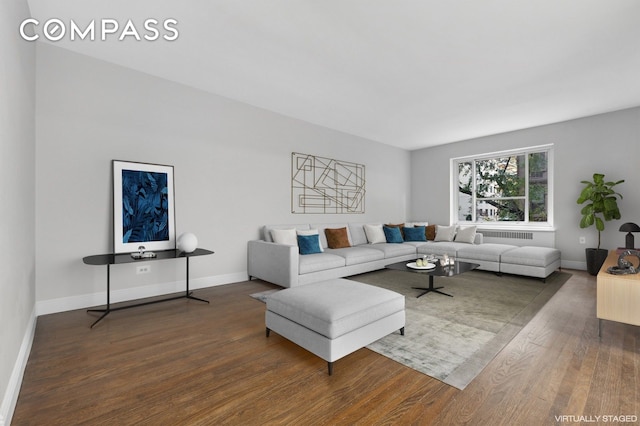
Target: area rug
(453, 338)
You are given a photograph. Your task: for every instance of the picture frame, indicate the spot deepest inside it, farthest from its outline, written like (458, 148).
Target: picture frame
(321, 185)
(143, 207)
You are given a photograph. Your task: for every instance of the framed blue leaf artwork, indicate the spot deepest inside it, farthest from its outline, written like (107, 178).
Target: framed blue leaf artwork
(143, 207)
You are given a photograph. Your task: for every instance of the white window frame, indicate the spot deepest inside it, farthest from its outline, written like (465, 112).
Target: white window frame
(520, 225)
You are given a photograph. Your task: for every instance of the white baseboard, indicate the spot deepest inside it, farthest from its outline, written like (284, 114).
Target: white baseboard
(63, 304)
(15, 381)
(573, 264)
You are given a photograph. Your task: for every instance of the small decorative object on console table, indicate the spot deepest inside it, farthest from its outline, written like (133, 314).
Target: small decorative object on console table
(141, 254)
(187, 242)
(116, 259)
(625, 267)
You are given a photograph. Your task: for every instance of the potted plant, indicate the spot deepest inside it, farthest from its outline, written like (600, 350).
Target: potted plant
(602, 206)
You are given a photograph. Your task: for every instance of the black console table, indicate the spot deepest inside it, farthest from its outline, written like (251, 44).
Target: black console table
(116, 259)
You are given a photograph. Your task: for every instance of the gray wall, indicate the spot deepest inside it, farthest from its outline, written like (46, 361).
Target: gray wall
(607, 143)
(232, 173)
(17, 199)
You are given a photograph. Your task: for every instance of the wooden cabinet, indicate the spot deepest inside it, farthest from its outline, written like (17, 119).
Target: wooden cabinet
(618, 296)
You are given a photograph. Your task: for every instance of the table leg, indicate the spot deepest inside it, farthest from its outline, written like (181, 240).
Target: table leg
(430, 289)
(187, 293)
(106, 311)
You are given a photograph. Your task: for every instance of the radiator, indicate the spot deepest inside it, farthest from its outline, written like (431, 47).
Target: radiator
(519, 238)
(516, 235)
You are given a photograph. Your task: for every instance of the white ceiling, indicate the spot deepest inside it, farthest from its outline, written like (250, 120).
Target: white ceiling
(408, 73)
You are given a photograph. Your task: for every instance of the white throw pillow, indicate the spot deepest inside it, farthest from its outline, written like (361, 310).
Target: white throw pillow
(466, 235)
(311, 232)
(285, 236)
(445, 233)
(375, 233)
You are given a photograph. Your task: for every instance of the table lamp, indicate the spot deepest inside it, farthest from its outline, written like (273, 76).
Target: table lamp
(629, 227)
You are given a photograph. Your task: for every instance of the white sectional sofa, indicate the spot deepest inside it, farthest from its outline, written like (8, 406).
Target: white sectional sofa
(283, 264)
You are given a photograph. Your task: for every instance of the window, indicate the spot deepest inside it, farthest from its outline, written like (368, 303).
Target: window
(511, 187)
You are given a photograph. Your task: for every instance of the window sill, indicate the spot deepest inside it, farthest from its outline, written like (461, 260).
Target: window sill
(509, 227)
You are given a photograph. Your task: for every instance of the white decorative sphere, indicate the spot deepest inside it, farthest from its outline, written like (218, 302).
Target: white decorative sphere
(187, 242)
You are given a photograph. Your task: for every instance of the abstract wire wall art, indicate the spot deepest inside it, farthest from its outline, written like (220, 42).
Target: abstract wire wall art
(323, 185)
(143, 207)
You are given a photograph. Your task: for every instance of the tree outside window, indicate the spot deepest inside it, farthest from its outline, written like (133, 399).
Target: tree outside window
(504, 188)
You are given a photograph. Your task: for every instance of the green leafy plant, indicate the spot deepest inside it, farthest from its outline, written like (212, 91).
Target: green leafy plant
(603, 204)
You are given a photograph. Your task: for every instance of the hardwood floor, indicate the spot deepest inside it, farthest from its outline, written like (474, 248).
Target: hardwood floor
(185, 362)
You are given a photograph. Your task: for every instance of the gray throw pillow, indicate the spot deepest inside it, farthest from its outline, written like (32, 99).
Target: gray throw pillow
(466, 235)
(445, 233)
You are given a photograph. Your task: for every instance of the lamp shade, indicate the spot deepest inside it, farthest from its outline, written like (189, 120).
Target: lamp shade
(629, 227)
(187, 242)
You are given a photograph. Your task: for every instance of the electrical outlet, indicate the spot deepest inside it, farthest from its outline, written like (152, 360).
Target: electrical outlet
(143, 269)
(583, 240)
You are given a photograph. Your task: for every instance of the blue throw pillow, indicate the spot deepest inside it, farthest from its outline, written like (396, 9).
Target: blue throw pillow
(415, 234)
(309, 244)
(393, 235)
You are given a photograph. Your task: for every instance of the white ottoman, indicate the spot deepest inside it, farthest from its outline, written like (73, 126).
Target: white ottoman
(532, 261)
(333, 318)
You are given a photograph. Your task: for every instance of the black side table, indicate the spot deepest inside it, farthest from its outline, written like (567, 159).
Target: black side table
(121, 258)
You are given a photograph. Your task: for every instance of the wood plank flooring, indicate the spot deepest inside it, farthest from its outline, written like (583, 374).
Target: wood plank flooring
(188, 363)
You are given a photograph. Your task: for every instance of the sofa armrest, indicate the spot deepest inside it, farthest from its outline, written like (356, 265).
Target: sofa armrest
(273, 262)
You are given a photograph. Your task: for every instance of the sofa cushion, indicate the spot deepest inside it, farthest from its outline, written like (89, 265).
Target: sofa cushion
(430, 230)
(394, 250)
(319, 262)
(487, 252)
(311, 232)
(323, 236)
(400, 226)
(531, 256)
(416, 233)
(336, 307)
(355, 255)
(392, 234)
(445, 233)
(266, 230)
(337, 238)
(285, 236)
(415, 243)
(375, 234)
(357, 234)
(440, 248)
(309, 244)
(466, 235)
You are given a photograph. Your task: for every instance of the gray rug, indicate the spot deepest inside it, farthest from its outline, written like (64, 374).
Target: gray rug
(453, 338)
